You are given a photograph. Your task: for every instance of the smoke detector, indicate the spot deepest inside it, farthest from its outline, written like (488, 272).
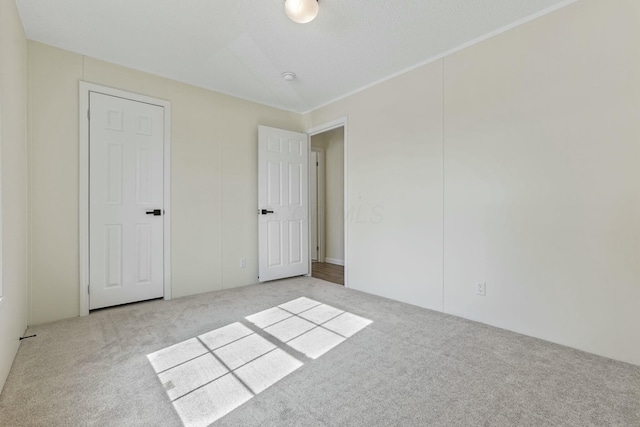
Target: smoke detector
(288, 76)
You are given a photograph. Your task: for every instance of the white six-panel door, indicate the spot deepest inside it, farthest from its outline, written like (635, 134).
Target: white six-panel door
(283, 203)
(126, 143)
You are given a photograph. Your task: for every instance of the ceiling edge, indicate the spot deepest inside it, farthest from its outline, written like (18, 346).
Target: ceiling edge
(174, 79)
(449, 52)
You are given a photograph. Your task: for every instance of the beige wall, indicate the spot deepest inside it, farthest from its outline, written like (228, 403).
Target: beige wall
(333, 144)
(13, 154)
(394, 211)
(213, 171)
(543, 147)
(538, 168)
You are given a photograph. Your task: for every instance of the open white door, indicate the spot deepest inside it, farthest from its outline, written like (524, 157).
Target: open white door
(283, 203)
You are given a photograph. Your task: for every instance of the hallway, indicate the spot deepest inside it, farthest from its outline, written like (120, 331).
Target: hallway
(329, 272)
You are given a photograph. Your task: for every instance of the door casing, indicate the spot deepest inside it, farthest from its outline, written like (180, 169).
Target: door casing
(83, 116)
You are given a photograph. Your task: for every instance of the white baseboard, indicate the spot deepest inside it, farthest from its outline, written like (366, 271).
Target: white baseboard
(334, 261)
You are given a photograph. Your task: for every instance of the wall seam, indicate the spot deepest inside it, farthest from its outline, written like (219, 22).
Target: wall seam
(221, 235)
(29, 120)
(443, 178)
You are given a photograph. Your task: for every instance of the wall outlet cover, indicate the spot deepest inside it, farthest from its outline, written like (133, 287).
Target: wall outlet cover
(481, 289)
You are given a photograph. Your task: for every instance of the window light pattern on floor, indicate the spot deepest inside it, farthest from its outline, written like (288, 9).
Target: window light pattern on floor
(308, 326)
(211, 375)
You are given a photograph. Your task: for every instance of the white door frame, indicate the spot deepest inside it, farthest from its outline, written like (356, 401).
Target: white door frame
(85, 88)
(334, 124)
(320, 201)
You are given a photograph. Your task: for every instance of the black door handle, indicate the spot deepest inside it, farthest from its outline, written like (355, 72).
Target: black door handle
(155, 212)
(264, 212)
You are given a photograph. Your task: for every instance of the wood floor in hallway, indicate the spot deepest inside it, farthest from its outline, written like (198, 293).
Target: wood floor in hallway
(329, 272)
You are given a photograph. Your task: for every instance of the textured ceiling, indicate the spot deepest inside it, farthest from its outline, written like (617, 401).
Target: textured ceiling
(241, 47)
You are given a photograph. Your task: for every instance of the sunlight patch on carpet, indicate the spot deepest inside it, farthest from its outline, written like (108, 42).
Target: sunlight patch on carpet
(208, 376)
(310, 327)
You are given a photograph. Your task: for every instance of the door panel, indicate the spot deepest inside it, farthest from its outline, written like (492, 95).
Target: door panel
(126, 154)
(283, 171)
(113, 249)
(295, 242)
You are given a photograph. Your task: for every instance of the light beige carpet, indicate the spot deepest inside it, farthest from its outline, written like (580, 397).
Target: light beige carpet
(409, 367)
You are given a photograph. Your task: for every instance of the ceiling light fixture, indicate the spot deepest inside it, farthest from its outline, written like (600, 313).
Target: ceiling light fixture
(301, 11)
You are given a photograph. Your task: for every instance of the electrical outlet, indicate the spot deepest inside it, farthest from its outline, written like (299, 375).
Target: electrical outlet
(481, 289)
(243, 263)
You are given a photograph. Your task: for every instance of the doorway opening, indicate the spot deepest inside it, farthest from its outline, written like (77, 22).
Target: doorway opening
(327, 204)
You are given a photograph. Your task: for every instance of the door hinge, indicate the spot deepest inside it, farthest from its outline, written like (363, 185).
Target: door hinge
(89, 289)
(317, 248)
(88, 114)
(317, 164)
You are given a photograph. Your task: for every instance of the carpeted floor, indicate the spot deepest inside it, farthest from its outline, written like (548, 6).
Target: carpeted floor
(409, 367)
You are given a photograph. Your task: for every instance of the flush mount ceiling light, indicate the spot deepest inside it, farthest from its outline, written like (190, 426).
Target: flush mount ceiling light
(301, 11)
